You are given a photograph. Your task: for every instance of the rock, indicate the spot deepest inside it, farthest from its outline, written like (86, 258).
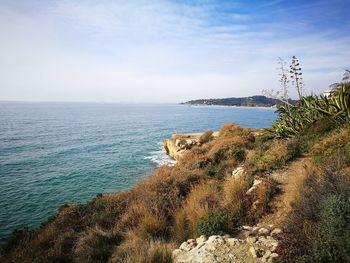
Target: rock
(263, 231)
(276, 232)
(178, 144)
(239, 171)
(217, 249)
(188, 245)
(247, 228)
(255, 229)
(255, 185)
(274, 255)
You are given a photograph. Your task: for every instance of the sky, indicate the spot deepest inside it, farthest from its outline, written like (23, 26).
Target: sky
(166, 51)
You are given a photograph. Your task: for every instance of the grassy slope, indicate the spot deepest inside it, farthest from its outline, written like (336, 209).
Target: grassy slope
(198, 196)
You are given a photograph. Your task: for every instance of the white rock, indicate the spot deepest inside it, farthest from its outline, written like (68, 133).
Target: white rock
(276, 232)
(239, 171)
(263, 231)
(247, 228)
(256, 182)
(255, 228)
(274, 255)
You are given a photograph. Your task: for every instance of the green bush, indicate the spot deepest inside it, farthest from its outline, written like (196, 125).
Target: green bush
(220, 155)
(333, 241)
(238, 154)
(217, 223)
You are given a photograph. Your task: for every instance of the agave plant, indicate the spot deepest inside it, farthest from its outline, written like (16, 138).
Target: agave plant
(309, 109)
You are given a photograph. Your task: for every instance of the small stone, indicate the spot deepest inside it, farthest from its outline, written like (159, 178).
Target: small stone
(276, 232)
(249, 228)
(274, 255)
(239, 171)
(255, 228)
(263, 231)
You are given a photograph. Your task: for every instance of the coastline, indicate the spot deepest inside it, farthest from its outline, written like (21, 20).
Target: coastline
(229, 106)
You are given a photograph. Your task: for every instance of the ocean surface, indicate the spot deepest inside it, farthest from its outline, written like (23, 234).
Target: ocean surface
(52, 154)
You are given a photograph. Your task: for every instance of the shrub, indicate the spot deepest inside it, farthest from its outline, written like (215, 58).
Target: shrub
(258, 200)
(206, 137)
(276, 156)
(217, 223)
(332, 243)
(202, 200)
(95, 246)
(238, 154)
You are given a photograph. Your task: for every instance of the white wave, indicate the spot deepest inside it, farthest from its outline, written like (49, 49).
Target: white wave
(160, 157)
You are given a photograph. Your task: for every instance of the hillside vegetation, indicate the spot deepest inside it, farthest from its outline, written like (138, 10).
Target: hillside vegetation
(199, 195)
(253, 101)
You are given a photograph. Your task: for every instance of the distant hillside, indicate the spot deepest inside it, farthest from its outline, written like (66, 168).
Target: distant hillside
(253, 101)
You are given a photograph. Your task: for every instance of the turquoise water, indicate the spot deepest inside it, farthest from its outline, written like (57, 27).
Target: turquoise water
(57, 153)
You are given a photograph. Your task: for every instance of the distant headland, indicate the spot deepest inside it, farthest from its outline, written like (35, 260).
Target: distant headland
(252, 101)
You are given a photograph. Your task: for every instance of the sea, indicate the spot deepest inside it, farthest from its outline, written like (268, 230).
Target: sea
(53, 154)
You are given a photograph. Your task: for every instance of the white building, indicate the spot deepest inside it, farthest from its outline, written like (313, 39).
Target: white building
(331, 89)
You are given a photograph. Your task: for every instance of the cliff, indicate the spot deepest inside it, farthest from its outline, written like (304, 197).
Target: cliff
(178, 144)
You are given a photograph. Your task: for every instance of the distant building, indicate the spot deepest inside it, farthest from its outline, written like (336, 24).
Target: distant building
(332, 89)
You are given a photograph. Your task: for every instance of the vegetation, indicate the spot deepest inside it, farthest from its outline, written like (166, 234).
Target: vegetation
(293, 119)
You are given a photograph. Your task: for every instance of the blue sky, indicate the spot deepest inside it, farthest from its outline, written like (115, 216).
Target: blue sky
(166, 51)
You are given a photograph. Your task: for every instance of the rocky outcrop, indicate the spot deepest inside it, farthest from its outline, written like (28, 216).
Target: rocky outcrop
(252, 244)
(178, 144)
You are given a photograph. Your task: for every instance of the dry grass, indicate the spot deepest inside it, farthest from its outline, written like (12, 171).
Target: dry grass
(152, 252)
(234, 194)
(206, 137)
(257, 202)
(202, 199)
